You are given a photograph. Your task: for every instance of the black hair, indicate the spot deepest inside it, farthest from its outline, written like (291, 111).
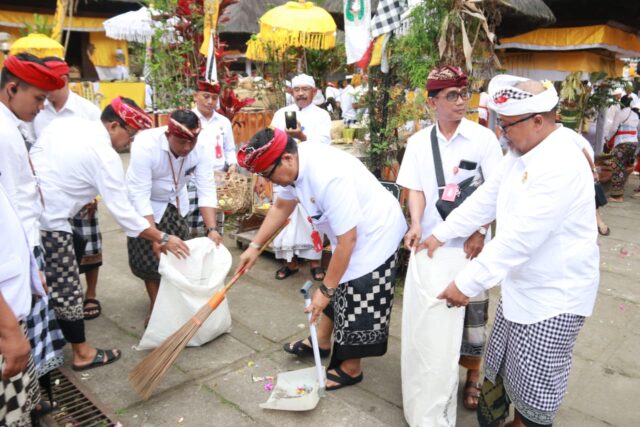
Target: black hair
(186, 117)
(625, 101)
(52, 58)
(109, 114)
(433, 93)
(7, 76)
(265, 135)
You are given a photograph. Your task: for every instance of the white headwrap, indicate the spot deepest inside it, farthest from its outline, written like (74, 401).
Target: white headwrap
(303, 80)
(617, 91)
(507, 100)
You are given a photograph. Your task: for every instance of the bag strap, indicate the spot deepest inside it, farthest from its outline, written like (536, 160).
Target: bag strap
(437, 161)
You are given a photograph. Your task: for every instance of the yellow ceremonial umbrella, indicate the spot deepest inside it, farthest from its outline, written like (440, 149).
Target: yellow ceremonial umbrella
(298, 24)
(261, 51)
(38, 45)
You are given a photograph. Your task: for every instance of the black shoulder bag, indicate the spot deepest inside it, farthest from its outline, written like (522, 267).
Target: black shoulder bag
(465, 188)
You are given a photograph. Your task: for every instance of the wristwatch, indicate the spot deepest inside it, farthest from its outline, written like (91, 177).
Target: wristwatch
(210, 229)
(483, 230)
(164, 238)
(327, 292)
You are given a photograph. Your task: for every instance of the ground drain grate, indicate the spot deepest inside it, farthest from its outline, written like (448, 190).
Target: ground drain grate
(77, 405)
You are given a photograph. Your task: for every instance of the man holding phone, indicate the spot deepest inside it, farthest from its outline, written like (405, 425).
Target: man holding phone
(308, 121)
(303, 121)
(467, 150)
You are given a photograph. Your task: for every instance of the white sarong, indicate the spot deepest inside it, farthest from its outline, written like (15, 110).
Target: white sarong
(431, 337)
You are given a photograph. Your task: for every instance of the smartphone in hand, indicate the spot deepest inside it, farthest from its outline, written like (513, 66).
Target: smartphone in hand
(290, 120)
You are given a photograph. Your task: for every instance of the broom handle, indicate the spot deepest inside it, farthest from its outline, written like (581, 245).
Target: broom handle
(218, 297)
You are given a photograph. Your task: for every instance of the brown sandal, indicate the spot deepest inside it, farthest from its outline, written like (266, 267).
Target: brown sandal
(473, 394)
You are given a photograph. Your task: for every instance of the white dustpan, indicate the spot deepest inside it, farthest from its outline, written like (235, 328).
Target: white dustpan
(300, 390)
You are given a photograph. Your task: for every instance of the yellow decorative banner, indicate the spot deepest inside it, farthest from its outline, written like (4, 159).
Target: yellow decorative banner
(211, 9)
(58, 19)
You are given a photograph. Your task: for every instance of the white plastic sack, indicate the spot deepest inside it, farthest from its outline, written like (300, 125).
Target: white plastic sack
(186, 286)
(431, 338)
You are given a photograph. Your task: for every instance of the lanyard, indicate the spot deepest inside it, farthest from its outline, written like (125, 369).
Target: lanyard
(175, 180)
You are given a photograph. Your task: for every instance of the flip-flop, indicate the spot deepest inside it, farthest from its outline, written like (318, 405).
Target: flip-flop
(343, 379)
(93, 311)
(285, 271)
(103, 357)
(300, 349)
(318, 274)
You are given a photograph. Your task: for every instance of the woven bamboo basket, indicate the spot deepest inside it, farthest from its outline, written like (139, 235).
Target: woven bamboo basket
(234, 192)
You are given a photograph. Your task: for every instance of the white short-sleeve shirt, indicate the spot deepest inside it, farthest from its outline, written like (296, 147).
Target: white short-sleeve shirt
(470, 142)
(338, 192)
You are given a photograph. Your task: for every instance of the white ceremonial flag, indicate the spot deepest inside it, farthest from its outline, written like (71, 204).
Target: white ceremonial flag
(357, 31)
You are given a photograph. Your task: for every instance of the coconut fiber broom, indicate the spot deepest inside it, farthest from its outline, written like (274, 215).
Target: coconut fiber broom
(146, 375)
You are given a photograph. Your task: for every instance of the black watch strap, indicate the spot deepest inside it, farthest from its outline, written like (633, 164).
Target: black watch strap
(327, 292)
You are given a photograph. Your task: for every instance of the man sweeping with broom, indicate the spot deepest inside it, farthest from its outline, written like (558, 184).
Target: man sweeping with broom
(364, 223)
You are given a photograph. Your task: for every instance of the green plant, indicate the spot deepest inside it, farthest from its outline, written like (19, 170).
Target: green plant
(40, 25)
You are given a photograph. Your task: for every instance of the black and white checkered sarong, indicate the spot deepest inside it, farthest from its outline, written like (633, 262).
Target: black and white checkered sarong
(88, 227)
(534, 362)
(387, 17)
(194, 219)
(62, 275)
(142, 261)
(361, 311)
(45, 336)
(18, 396)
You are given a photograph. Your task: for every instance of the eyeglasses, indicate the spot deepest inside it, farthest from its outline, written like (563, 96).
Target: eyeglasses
(131, 132)
(455, 94)
(504, 127)
(270, 174)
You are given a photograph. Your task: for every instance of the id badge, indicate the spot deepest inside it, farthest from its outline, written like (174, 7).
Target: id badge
(317, 241)
(218, 151)
(450, 193)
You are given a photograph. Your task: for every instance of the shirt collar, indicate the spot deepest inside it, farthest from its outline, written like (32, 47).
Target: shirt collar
(540, 149)
(6, 112)
(202, 117)
(464, 129)
(164, 142)
(70, 105)
(302, 167)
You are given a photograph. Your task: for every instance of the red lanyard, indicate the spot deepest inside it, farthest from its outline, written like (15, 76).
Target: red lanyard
(175, 180)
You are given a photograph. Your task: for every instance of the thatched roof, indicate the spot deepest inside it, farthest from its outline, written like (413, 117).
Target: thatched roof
(521, 16)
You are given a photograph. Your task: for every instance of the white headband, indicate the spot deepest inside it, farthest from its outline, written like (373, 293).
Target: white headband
(507, 100)
(303, 80)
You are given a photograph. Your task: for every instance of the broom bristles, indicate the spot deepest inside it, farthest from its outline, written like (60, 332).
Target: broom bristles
(146, 375)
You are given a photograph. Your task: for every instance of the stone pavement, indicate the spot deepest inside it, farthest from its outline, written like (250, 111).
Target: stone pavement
(213, 385)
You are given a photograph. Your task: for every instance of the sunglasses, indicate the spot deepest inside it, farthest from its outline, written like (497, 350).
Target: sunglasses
(273, 169)
(453, 96)
(504, 126)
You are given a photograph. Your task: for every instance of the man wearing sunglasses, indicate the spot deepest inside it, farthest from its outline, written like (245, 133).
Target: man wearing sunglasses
(545, 255)
(467, 150)
(364, 224)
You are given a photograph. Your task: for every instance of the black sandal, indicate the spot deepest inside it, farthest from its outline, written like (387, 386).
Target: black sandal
(285, 272)
(300, 349)
(318, 274)
(91, 312)
(103, 357)
(343, 379)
